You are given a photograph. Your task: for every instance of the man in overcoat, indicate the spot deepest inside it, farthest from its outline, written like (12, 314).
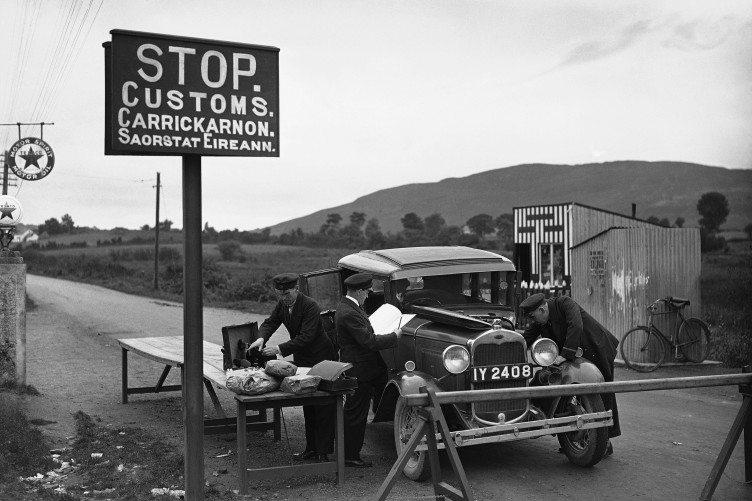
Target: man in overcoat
(570, 327)
(359, 345)
(308, 345)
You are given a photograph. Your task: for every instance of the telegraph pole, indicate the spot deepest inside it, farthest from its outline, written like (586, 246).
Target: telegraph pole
(156, 240)
(5, 173)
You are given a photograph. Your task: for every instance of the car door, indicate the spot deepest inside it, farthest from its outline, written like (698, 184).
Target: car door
(324, 286)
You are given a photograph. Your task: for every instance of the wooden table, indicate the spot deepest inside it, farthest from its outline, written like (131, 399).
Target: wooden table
(277, 400)
(169, 350)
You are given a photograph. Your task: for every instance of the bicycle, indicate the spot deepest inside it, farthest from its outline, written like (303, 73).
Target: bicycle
(644, 347)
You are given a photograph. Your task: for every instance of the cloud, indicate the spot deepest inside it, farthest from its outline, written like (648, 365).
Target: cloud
(600, 49)
(701, 34)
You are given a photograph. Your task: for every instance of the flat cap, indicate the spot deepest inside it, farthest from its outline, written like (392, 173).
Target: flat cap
(531, 303)
(359, 281)
(285, 281)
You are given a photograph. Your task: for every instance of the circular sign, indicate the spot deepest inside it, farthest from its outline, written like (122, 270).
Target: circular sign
(31, 158)
(10, 210)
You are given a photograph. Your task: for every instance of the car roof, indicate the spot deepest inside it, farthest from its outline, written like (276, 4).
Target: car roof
(426, 261)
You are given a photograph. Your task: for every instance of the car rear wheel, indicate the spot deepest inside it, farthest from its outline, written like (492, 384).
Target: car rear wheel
(584, 447)
(405, 424)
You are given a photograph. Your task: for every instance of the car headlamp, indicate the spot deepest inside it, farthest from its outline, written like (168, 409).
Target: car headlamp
(456, 359)
(544, 352)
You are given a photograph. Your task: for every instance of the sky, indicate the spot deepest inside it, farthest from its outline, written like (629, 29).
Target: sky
(378, 94)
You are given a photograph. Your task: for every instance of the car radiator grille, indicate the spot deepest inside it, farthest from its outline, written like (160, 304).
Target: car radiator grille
(495, 354)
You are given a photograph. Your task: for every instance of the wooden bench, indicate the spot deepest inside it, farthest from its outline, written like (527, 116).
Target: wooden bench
(168, 350)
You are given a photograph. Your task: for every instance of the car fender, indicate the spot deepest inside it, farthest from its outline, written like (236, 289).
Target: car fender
(580, 370)
(403, 383)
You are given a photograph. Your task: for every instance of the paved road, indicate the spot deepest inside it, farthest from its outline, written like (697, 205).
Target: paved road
(670, 441)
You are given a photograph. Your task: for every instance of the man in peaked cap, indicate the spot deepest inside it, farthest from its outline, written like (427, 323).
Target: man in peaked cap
(359, 346)
(570, 327)
(308, 345)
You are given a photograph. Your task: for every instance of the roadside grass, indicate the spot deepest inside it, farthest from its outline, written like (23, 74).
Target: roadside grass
(243, 283)
(726, 309)
(101, 462)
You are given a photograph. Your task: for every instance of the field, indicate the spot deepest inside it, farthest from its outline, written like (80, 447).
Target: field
(239, 276)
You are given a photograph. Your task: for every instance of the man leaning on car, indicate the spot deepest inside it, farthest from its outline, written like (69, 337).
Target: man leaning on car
(570, 327)
(359, 345)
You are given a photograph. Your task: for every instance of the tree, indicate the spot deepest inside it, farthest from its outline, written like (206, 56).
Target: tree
(505, 231)
(374, 237)
(145, 227)
(50, 226)
(166, 225)
(333, 219)
(230, 250)
(748, 230)
(481, 224)
(679, 223)
(66, 224)
(713, 207)
(411, 221)
(662, 222)
(331, 226)
(209, 234)
(358, 218)
(434, 224)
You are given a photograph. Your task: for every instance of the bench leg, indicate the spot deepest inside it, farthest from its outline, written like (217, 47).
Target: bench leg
(242, 468)
(214, 398)
(124, 381)
(277, 424)
(162, 378)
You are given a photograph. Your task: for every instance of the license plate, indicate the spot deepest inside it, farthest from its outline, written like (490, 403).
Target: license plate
(502, 372)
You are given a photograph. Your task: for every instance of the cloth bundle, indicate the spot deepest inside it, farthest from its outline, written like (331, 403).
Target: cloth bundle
(280, 368)
(300, 384)
(251, 381)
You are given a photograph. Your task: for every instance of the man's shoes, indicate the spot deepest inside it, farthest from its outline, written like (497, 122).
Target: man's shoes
(322, 458)
(358, 463)
(609, 450)
(306, 454)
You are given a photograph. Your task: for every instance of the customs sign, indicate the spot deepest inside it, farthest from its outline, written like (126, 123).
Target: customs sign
(168, 95)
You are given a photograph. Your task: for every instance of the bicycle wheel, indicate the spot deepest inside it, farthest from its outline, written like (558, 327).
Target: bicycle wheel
(694, 339)
(642, 349)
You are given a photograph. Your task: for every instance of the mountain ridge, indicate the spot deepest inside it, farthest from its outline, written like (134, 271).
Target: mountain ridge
(665, 189)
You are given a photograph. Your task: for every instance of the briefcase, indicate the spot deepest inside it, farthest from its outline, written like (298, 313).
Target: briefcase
(333, 376)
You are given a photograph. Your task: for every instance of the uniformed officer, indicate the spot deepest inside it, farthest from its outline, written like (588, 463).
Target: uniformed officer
(564, 321)
(308, 345)
(359, 346)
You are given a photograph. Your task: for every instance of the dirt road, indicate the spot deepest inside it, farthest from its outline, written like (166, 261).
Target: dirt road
(669, 444)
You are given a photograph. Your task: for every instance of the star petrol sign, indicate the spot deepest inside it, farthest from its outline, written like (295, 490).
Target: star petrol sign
(31, 159)
(10, 210)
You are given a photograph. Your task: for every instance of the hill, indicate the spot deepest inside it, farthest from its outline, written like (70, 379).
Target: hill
(661, 189)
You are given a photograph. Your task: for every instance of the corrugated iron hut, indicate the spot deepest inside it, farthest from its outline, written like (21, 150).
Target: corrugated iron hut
(616, 265)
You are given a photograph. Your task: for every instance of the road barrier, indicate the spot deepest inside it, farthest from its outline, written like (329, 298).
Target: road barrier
(433, 424)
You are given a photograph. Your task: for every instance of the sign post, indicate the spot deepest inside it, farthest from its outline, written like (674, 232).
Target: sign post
(167, 95)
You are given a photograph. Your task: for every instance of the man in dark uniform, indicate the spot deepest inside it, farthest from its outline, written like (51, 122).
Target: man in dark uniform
(309, 345)
(359, 346)
(570, 327)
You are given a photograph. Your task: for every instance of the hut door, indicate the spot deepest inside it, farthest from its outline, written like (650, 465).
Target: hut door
(552, 263)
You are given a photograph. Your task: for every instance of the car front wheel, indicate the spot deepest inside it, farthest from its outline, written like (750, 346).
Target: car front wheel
(584, 447)
(406, 422)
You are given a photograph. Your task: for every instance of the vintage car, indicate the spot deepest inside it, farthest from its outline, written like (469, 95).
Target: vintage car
(458, 306)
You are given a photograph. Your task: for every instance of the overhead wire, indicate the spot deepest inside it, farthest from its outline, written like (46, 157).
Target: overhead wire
(36, 95)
